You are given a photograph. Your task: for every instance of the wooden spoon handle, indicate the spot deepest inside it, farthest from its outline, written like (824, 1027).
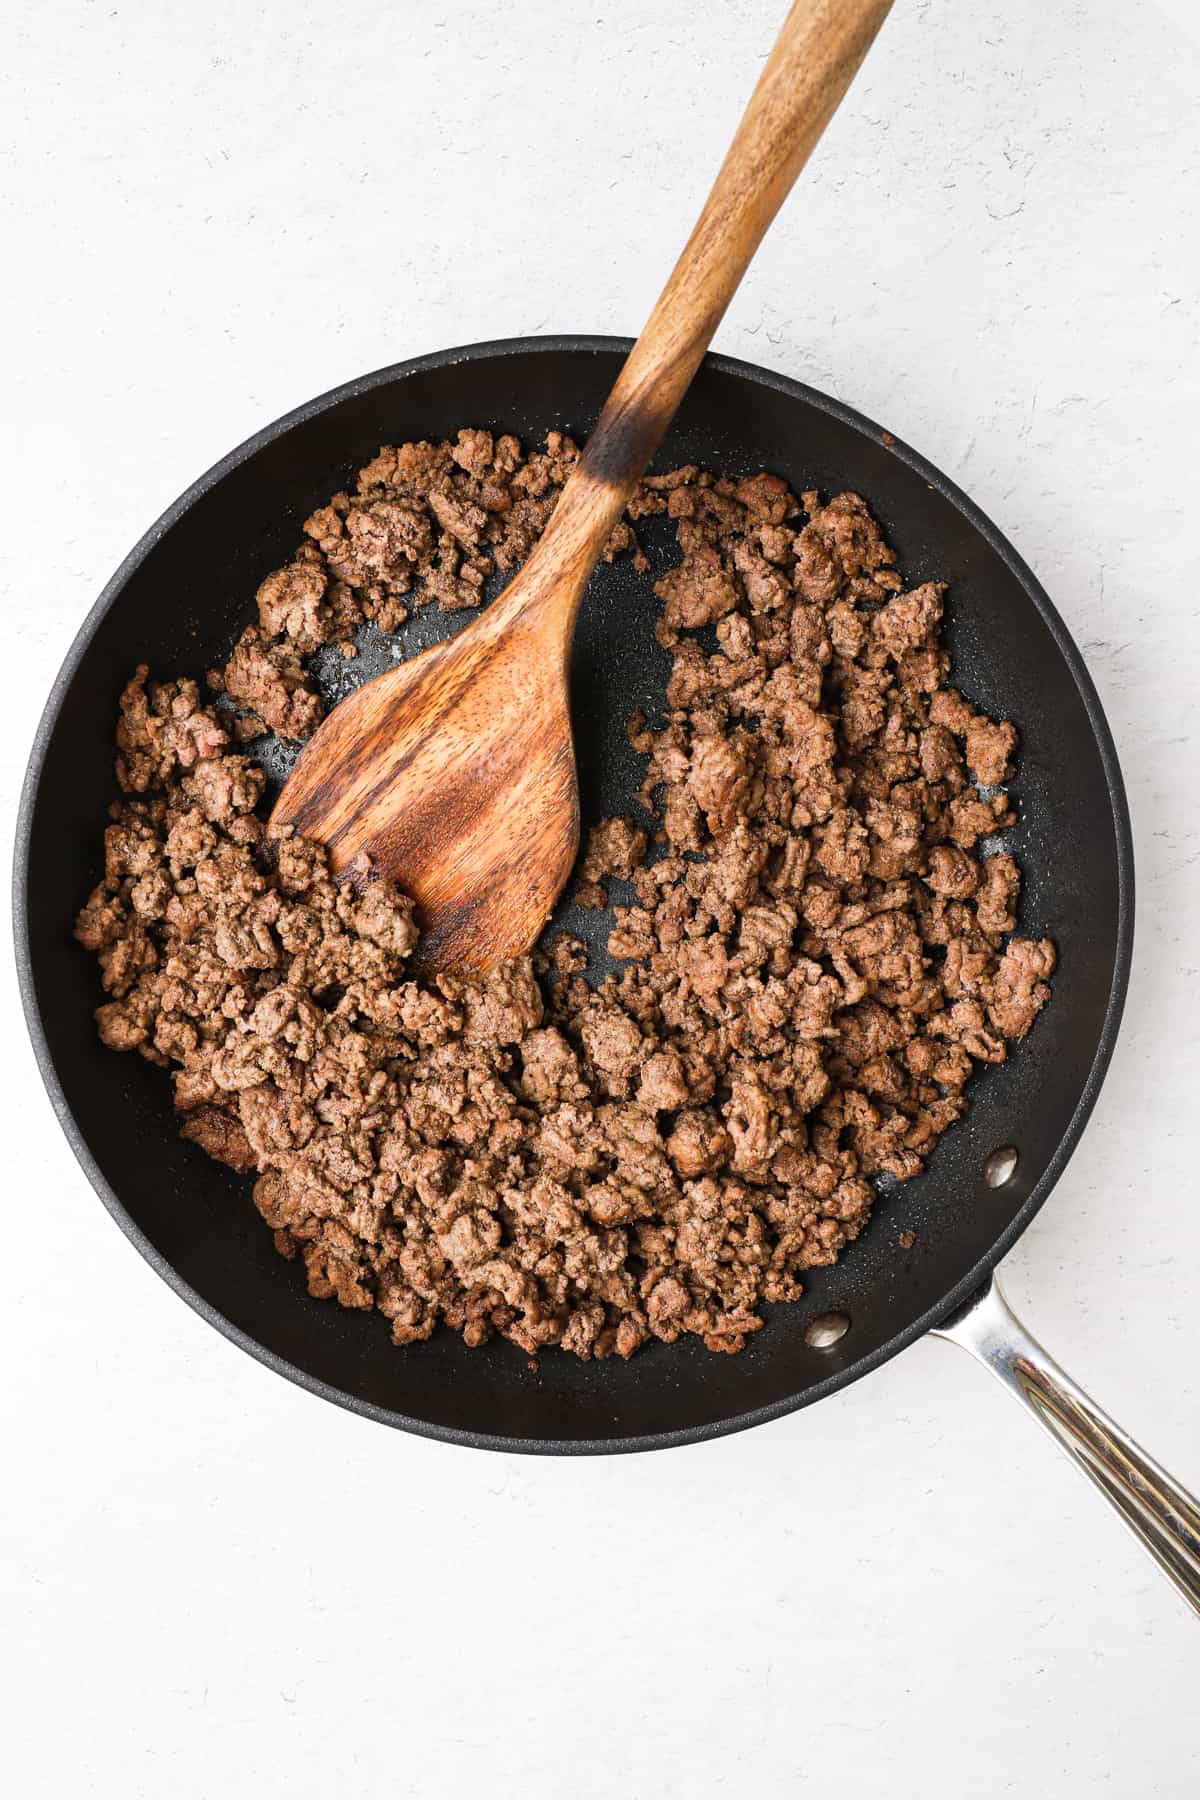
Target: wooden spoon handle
(812, 64)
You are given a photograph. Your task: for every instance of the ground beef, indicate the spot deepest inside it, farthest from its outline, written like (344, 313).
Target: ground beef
(814, 956)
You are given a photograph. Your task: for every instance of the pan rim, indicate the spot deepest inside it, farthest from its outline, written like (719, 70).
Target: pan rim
(914, 1329)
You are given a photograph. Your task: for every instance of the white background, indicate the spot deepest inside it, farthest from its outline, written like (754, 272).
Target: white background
(212, 1584)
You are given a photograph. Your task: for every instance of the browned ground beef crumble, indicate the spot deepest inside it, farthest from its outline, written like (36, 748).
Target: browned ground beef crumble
(816, 959)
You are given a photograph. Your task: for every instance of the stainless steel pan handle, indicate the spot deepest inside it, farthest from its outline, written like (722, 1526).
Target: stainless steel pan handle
(1162, 1515)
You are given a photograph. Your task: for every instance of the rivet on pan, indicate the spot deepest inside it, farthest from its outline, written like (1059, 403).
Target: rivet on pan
(1000, 1167)
(825, 1330)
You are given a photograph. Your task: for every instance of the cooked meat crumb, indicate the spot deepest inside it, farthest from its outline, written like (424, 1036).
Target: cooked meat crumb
(815, 959)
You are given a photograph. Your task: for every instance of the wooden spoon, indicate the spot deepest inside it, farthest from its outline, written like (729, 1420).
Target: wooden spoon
(454, 773)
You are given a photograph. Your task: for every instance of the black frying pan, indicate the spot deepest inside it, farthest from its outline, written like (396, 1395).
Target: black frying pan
(186, 590)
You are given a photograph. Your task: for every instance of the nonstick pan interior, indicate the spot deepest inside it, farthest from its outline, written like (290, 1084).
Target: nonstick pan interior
(177, 602)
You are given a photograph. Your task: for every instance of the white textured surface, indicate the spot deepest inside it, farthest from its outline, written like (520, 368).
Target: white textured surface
(212, 1583)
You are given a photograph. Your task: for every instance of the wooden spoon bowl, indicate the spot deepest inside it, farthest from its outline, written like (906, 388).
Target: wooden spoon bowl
(455, 775)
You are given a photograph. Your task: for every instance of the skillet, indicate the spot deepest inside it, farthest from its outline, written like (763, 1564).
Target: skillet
(177, 602)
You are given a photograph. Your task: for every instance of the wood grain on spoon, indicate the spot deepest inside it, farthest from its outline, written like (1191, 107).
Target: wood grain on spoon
(454, 773)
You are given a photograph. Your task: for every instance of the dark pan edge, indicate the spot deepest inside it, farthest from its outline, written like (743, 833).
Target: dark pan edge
(918, 1327)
